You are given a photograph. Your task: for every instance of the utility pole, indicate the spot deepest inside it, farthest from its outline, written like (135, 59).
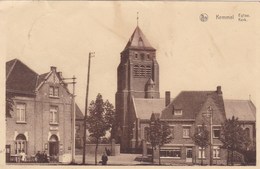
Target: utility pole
(91, 54)
(209, 113)
(73, 116)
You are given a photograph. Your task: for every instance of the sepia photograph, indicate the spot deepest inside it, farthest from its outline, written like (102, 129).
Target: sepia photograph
(128, 83)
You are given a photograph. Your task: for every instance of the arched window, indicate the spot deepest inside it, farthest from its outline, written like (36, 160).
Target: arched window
(20, 144)
(136, 71)
(148, 71)
(142, 71)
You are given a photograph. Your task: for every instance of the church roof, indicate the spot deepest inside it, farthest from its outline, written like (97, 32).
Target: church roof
(20, 78)
(138, 40)
(145, 107)
(191, 102)
(243, 109)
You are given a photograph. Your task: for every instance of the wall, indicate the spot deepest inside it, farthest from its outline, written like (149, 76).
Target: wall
(90, 148)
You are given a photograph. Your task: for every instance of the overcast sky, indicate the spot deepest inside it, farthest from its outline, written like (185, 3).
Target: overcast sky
(192, 55)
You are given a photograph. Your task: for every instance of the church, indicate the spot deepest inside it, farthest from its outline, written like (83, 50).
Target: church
(138, 97)
(137, 87)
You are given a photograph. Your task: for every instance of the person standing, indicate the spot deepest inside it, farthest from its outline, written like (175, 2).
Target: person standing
(37, 157)
(23, 156)
(104, 159)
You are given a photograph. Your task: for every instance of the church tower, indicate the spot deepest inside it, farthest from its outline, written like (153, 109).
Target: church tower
(137, 77)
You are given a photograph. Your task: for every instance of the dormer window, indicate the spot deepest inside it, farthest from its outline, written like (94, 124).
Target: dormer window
(53, 91)
(177, 112)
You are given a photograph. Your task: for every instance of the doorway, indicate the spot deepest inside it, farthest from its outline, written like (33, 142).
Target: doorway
(53, 146)
(188, 155)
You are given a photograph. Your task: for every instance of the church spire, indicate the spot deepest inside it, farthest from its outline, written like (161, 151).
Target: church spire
(137, 18)
(138, 40)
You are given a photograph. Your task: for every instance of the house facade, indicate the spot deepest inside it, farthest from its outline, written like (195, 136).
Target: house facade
(190, 110)
(41, 119)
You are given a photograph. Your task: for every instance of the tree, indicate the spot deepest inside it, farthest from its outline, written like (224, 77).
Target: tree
(159, 133)
(100, 120)
(233, 136)
(201, 139)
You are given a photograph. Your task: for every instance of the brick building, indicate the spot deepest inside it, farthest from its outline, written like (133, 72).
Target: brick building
(138, 97)
(41, 119)
(137, 78)
(188, 110)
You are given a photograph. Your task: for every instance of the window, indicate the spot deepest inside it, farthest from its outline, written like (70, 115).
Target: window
(216, 133)
(177, 112)
(54, 91)
(247, 131)
(172, 131)
(136, 71)
(174, 153)
(148, 71)
(142, 56)
(20, 112)
(148, 56)
(186, 132)
(201, 151)
(54, 115)
(142, 71)
(216, 151)
(20, 144)
(136, 55)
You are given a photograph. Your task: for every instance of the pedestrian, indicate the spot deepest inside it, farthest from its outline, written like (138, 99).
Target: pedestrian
(104, 159)
(41, 157)
(37, 157)
(23, 156)
(45, 157)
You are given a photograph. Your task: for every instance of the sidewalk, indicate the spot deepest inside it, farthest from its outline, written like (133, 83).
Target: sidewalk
(122, 159)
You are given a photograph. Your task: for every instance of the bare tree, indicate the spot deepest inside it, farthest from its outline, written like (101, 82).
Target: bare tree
(201, 139)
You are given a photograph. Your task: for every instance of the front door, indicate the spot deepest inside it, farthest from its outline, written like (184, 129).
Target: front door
(54, 148)
(188, 155)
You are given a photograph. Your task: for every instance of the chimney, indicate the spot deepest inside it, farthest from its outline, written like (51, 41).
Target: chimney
(167, 98)
(219, 92)
(53, 68)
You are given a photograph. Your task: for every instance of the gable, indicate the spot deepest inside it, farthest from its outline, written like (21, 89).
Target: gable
(211, 107)
(53, 78)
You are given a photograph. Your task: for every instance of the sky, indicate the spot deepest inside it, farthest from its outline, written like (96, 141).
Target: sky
(192, 55)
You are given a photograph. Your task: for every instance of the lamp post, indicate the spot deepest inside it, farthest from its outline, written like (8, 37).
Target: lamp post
(209, 113)
(73, 115)
(91, 54)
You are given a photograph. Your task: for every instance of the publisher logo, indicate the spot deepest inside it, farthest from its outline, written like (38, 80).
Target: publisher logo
(203, 17)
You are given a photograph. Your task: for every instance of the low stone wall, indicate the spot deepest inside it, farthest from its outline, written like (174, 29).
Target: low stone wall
(114, 149)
